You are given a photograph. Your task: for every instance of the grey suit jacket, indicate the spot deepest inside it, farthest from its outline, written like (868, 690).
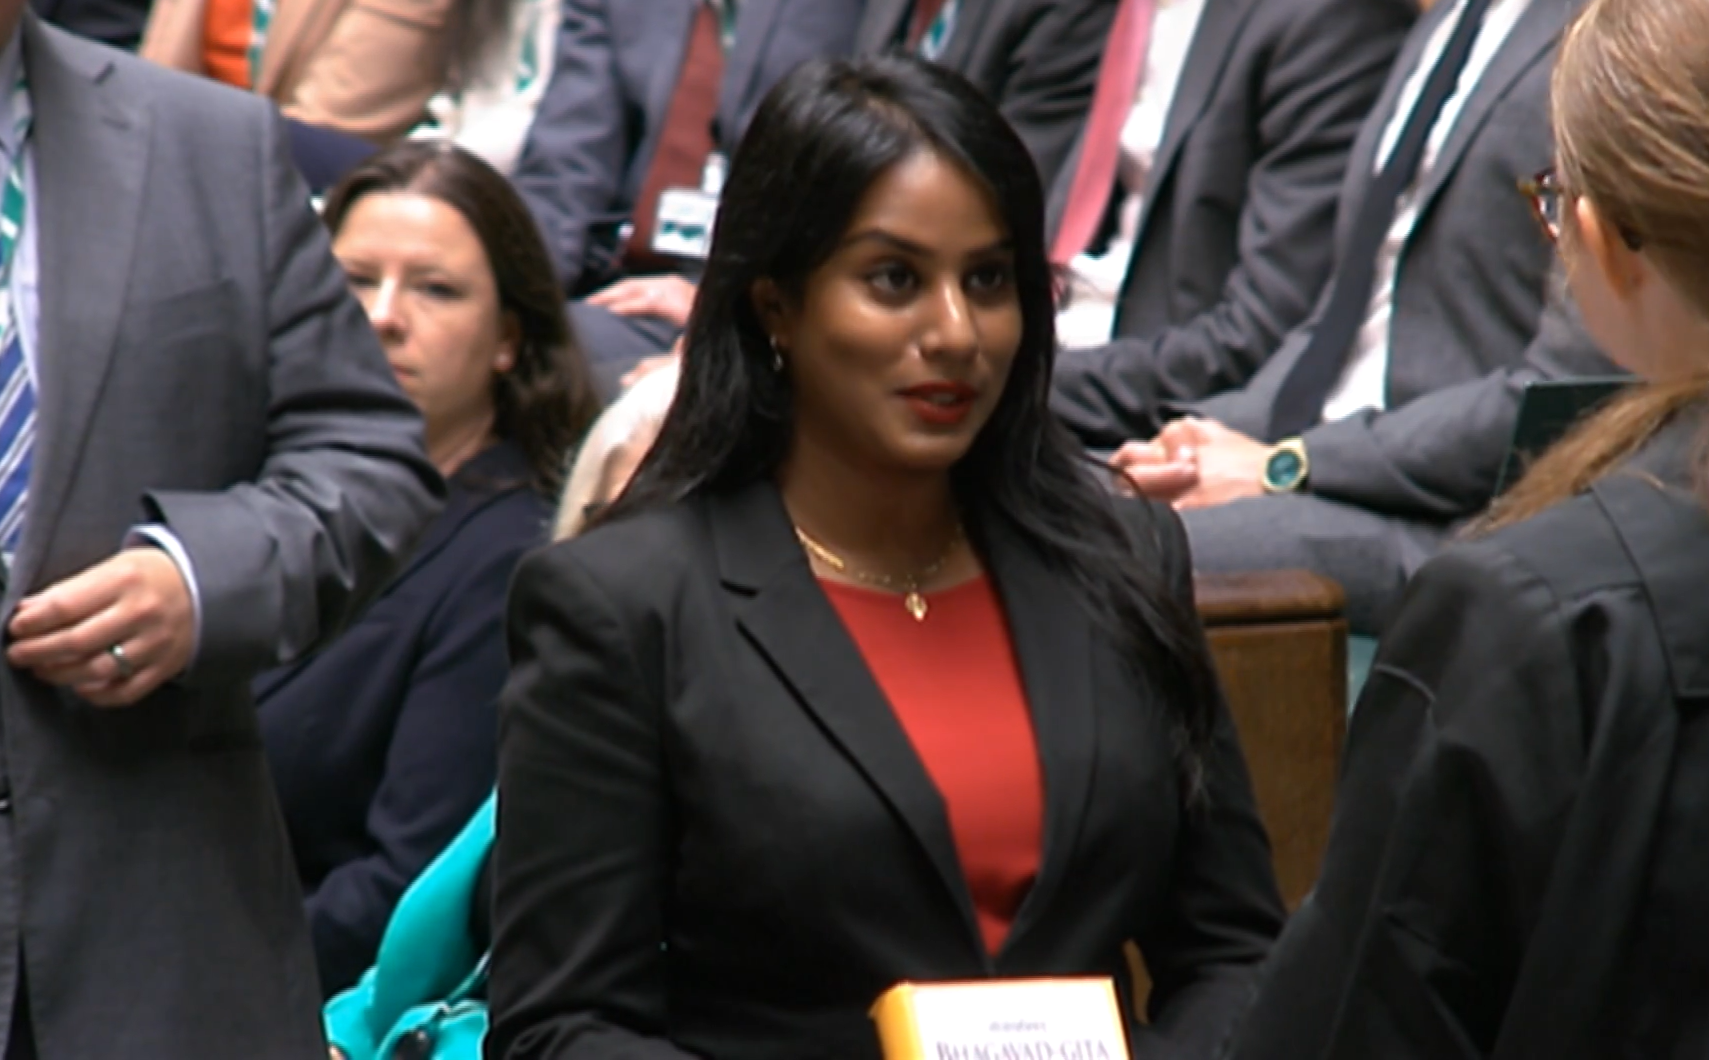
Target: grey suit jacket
(1037, 60)
(1236, 235)
(616, 69)
(1469, 326)
(202, 366)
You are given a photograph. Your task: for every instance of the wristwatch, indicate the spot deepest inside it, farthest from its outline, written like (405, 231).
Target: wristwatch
(1286, 468)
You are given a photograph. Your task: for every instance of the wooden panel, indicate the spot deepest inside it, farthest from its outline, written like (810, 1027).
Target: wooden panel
(1287, 689)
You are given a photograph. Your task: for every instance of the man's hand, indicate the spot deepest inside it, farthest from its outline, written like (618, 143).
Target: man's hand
(1230, 464)
(666, 297)
(137, 600)
(1155, 469)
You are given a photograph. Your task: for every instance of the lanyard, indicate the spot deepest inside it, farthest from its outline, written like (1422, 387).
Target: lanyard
(260, 19)
(936, 35)
(726, 12)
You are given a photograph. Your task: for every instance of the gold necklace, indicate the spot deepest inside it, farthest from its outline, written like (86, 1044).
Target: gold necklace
(909, 585)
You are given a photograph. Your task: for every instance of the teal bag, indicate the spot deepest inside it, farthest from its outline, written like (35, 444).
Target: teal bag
(419, 994)
(452, 1029)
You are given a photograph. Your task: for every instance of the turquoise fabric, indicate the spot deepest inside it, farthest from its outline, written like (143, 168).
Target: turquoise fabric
(426, 957)
(1360, 652)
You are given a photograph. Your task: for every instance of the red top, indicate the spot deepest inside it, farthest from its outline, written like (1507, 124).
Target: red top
(955, 686)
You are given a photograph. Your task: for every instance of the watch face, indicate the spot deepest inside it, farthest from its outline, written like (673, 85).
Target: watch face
(1284, 469)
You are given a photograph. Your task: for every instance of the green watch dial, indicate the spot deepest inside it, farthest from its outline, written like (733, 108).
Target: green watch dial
(1284, 469)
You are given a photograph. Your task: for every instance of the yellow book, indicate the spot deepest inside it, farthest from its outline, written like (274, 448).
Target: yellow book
(1002, 1019)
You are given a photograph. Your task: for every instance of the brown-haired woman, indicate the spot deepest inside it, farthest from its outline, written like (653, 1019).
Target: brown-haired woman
(383, 745)
(1520, 859)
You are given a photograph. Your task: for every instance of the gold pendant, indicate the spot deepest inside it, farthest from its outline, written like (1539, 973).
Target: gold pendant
(916, 605)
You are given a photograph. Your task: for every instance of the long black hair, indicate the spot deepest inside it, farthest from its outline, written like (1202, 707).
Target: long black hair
(817, 143)
(546, 402)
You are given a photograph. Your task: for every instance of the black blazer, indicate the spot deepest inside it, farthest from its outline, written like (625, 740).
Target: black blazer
(1518, 864)
(1236, 237)
(715, 839)
(383, 744)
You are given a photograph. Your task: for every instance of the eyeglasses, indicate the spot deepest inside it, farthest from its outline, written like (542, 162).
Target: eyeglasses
(1544, 193)
(1546, 196)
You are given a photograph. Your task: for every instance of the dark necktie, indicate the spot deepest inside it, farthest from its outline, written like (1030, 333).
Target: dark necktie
(686, 139)
(1300, 399)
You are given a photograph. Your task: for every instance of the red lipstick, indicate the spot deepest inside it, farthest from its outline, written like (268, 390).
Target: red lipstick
(940, 404)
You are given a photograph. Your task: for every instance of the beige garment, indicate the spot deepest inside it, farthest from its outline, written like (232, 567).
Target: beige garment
(614, 448)
(365, 67)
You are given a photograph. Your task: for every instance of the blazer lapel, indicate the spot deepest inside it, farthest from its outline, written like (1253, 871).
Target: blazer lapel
(292, 23)
(1207, 57)
(795, 627)
(1531, 37)
(91, 153)
(1053, 637)
(756, 25)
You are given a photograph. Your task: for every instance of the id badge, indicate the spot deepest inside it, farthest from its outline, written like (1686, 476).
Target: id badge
(684, 226)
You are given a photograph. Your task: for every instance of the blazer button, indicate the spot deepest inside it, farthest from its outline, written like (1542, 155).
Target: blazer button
(5, 798)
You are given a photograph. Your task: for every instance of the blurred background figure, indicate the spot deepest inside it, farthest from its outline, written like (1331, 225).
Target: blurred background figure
(382, 744)
(351, 74)
(116, 22)
(1037, 60)
(1518, 866)
(489, 110)
(644, 94)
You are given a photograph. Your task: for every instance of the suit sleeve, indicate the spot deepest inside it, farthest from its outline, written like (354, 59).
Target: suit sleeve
(1324, 76)
(439, 765)
(582, 858)
(373, 75)
(1461, 757)
(578, 149)
(284, 560)
(1225, 910)
(1052, 72)
(1438, 457)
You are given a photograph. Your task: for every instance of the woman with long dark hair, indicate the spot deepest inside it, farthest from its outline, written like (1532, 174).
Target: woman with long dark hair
(864, 678)
(1519, 865)
(382, 745)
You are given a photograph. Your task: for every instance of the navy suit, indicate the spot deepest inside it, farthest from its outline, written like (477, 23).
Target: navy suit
(383, 744)
(593, 138)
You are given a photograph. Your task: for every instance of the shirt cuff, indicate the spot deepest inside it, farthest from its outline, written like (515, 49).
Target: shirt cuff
(157, 535)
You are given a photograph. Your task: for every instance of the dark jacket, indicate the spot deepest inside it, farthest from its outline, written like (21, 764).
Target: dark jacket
(725, 846)
(1037, 60)
(604, 111)
(116, 22)
(1236, 237)
(382, 745)
(1518, 864)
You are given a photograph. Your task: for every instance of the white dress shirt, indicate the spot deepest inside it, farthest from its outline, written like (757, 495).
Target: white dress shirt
(1095, 283)
(24, 285)
(1363, 380)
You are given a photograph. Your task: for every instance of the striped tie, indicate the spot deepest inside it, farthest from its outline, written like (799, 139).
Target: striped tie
(17, 395)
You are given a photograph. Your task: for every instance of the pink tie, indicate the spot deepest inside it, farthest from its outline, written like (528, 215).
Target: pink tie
(1118, 82)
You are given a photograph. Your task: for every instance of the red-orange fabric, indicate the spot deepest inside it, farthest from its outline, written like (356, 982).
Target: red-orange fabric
(226, 28)
(686, 140)
(955, 686)
(1095, 177)
(924, 12)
